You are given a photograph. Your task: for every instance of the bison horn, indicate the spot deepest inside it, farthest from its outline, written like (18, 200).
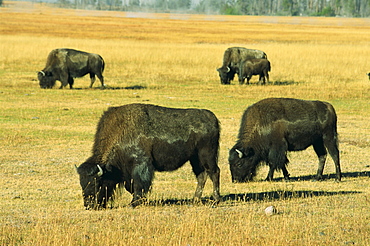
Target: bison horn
(43, 73)
(100, 173)
(239, 153)
(228, 69)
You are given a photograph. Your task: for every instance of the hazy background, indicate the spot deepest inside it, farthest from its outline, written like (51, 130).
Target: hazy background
(339, 8)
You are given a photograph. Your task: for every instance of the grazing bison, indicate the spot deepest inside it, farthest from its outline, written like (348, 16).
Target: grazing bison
(133, 141)
(231, 61)
(66, 64)
(273, 126)
(368, 74)
(251, 67)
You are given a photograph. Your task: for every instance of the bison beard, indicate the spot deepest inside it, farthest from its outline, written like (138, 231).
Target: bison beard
(273, 126)
(135, 140)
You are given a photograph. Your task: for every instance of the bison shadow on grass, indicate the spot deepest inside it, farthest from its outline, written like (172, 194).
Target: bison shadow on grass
(282, 82)
(134, 87)
(247, 197)
(329, 176)
(285, 82)
(268, 195)
(278, 195)
(277, 82)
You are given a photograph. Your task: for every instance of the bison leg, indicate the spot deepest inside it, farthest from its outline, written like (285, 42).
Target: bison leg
(206, 164)
(277, 159)
(332, 147)
(142, 180)
(267, 77)
(129, 186)
(270, 174)
(241, 79)
(215, 177)
(321, 154)
(320, 170)
(201, 180)
(92, 78)
(70, 82)
(262, 80)
(65, 79)
(101, 78)
(285, 172)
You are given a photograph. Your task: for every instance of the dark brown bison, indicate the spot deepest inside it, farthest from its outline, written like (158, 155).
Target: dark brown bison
(66, 64)
(368, 74)
(273, 126)
(135, 140)
(251, 67)
(231, 61)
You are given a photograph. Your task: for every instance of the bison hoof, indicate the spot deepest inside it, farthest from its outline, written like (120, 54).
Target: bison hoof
(197, 200)
(213, 203)
(137, 202)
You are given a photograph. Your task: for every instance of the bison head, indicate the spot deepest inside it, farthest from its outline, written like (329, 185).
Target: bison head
(243, 164)
(46, 79)
(226, 75)
(98, 184)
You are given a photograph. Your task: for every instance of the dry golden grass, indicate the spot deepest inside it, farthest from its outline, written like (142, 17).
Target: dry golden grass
(44, 133)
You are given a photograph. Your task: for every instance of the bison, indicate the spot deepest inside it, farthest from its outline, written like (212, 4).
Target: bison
(135, 140)
(368, 74)
(231, 61)
(251, 67)
(66, 64)
(273, 126)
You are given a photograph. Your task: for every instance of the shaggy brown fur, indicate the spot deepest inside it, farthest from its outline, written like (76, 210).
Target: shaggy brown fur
(66, 64)
(135, 140)
(273, 126)
(251, 67)
(231, 61)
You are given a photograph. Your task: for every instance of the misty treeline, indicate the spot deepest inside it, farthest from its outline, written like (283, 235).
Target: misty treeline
(346, 8)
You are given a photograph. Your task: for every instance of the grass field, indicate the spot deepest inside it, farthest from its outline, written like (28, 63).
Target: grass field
(171, 60)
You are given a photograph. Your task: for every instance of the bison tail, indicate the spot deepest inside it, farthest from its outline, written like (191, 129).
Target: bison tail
(102, 65)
